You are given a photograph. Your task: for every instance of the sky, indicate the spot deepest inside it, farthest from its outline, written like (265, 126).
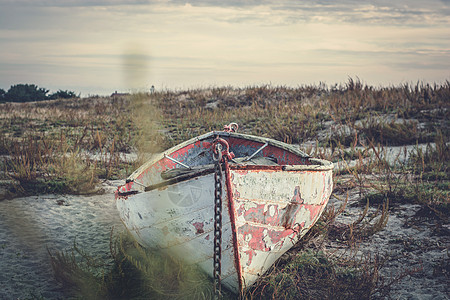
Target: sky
(101, 46)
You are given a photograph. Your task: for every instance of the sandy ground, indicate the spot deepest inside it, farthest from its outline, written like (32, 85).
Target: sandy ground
(409, 243)
(30, 225)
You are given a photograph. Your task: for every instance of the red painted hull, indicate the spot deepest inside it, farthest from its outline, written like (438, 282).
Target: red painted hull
(266, 210)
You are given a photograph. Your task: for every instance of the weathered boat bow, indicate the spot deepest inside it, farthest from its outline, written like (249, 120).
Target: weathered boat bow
(272, 192)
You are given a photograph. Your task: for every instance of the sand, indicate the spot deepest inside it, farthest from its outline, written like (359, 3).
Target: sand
(407, 243)
(29, 225)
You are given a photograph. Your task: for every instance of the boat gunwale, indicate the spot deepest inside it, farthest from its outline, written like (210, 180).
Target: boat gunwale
(318, 164)
(237, 167)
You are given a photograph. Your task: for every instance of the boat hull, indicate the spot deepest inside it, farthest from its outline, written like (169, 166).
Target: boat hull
(273, 210)
(272, 195)
(266, 210)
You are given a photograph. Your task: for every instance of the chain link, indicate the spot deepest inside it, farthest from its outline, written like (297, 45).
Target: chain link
(217, 221)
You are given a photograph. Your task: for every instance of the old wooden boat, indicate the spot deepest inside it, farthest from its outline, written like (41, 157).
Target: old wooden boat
(272, 195)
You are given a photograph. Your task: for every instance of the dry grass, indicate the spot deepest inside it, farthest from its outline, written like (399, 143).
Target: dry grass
(132, 273)
(47, 147)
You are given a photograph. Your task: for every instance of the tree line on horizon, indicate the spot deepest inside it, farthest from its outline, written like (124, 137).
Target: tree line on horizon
(31, 92)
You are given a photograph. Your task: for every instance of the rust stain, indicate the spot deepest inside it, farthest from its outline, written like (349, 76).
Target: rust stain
(291, 210)
(243, 169)
(250, 253)
(199, 227)
(165, 230)
(231, 212)
(240, 171)
(297, 196)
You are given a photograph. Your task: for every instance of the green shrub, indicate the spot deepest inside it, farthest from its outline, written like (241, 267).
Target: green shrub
(25, 93)
(60, 94)
(2, 95)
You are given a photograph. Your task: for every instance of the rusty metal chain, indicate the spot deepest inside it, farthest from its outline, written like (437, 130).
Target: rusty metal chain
(217, 156)
(221, 155)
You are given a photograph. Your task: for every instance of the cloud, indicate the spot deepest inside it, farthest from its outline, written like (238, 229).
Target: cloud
(72, 3)
(194, 42)
(413, 12)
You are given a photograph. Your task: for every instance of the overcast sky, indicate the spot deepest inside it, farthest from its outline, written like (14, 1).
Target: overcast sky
(99, 46)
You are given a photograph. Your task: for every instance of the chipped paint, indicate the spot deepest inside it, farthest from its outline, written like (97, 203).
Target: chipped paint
(232, 212)
(267, 208)
(273, 216)
(199, 227)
